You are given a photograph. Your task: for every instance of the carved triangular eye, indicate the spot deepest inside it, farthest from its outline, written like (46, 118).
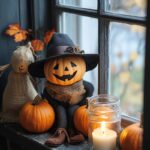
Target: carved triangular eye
(56, 67)
(73, 65)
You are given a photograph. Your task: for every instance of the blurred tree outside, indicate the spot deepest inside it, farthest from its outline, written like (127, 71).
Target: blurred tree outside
(126, 66)
(128, 7)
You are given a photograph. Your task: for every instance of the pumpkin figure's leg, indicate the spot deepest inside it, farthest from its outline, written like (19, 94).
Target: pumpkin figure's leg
(61, 122)
(75, 136)
(61, 117)
(60, 134)
(70, 112)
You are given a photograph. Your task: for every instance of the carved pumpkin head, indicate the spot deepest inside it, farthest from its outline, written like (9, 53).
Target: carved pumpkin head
(65, 70)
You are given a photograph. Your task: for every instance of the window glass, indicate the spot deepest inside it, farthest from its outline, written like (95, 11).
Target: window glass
(127, 7)
(90, 4)
(126, 52)
(84, 33)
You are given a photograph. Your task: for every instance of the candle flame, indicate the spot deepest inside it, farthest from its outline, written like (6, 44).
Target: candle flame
(103, 125)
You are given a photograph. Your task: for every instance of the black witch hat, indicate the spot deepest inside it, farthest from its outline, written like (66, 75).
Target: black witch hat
(60, 46)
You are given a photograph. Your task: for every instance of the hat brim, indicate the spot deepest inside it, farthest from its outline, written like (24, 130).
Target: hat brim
(36, 69)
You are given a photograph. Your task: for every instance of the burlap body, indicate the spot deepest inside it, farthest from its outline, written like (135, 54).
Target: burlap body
(18, 91)
(71, 94)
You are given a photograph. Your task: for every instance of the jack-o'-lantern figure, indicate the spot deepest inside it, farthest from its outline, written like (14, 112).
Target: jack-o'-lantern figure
(65, 71)
(64, 67)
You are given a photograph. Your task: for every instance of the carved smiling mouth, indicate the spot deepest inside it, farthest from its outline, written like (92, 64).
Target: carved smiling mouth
(64, 77)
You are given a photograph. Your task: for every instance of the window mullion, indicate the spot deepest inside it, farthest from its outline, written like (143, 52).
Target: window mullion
(103, 71)
(147, 82)
(101, 6)
(104, 56)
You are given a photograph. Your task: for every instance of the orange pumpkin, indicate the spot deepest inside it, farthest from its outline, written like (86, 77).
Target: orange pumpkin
(81, 118)
(65, 70)
(37, 116)
(131, 137)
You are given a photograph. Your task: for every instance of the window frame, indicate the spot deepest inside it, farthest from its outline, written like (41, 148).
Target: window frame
(147, 82)
(104, 19)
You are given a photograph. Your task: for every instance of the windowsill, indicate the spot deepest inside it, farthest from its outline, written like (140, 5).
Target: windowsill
(126, 121)
(13, 133)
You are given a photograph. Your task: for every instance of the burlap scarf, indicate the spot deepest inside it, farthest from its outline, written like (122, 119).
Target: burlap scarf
(71, 94)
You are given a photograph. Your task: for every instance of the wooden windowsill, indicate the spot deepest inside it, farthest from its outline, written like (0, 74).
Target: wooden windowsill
(126, 121)
(14, 133)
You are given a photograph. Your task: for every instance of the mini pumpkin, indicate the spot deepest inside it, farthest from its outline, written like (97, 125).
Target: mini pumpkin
(37, 116)
(81, 118)
(65, 70)
(131, 137)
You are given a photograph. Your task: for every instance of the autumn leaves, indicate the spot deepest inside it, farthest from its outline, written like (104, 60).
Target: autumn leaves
(19, 35)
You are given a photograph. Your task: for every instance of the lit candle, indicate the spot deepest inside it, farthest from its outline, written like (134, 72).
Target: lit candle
(104, 139)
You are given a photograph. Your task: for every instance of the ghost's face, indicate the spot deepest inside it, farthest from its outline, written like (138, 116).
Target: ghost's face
(20, 65)
(22, 68)
(21, 59)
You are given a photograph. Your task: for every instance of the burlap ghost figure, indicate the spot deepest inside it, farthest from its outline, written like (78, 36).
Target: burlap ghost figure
(19, 88)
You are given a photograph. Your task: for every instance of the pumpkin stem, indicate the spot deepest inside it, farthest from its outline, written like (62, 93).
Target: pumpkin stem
(36, 100)
(142, 121)
(87, 102)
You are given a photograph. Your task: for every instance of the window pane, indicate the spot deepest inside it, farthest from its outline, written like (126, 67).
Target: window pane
(91, 4)
(126, 49)
(127, 7)
(84, 32)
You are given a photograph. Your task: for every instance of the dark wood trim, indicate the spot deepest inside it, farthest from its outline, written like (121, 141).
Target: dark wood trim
(19, 8)
(3, 143)
(34, 8)
(102, 14)
(54, 14)
(24, 143)
(99, 48)
(77, 10)
(126, 121)
(42, 16)
(15, 134)
(123, 18)
(23, 13)
(104, 55)
(104, 50)
(101, 6)
(147, 83)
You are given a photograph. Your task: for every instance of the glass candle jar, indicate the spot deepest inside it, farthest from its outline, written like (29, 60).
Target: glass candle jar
(104, 121)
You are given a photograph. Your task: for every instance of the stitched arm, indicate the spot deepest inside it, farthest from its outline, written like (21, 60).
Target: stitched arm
(89, 88)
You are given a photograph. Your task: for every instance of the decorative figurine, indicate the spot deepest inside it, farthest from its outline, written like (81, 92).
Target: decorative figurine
(64, 67)
(19, 88)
